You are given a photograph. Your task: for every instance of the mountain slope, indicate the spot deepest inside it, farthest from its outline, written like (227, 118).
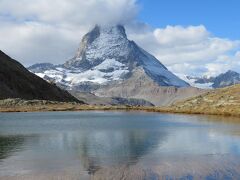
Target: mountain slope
(223, 101)
(17, 82)
(141, 86)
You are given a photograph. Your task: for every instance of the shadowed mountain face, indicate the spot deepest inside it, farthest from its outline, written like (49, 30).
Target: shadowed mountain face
(17, 82)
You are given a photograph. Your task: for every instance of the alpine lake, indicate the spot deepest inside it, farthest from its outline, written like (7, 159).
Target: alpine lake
(118, 145)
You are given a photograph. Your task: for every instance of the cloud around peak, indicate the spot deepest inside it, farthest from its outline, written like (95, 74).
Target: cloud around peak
(43, 30)
(191, 50)
(50, 31)
(74, 12)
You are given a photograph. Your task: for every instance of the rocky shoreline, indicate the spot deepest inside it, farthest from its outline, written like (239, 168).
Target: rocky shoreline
(18, 105)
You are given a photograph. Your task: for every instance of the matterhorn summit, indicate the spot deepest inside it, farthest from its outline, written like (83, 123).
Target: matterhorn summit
(106, 58)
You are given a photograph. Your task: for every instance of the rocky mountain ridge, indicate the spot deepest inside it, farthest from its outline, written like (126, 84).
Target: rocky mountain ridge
(223, 80)
(17, 82)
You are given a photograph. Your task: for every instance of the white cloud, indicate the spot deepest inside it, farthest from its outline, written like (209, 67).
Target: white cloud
(189, 50)
(223, 64)
(187, 69)
(176, 35)
(50, 31)
(43, 30)
(33, 42)
(71, 12)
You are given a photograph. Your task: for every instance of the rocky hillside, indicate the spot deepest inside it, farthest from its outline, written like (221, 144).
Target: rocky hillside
(92, 99)
(224, 101)
(17, 82)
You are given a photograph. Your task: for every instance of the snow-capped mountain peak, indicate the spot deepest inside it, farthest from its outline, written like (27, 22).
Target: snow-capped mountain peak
(103, 42)
(106, 56)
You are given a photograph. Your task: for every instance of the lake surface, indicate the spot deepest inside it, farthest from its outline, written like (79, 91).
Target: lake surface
(118, 145)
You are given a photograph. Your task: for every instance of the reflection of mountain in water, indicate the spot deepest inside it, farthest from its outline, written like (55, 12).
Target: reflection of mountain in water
(9, 145)
(85, 141)
(115, 147)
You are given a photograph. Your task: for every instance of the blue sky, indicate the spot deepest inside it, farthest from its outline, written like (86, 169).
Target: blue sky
(221, 17)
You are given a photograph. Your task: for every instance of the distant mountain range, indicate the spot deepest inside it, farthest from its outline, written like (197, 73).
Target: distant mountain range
(17, 82)
(223, 80)
(107, 64)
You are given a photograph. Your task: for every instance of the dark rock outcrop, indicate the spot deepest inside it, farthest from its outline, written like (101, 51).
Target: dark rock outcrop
(17, 82)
